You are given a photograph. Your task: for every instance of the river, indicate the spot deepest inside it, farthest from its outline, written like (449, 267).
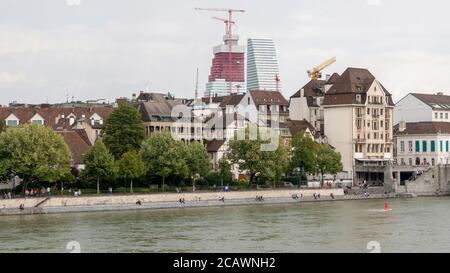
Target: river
(413, 225)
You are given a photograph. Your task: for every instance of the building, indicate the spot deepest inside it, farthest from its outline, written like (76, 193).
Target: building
(358, 123)
(262, 65)
(306, 103)
(270, 107)
(80, 127)
(422, 143)
(221, 77)
(416, 107)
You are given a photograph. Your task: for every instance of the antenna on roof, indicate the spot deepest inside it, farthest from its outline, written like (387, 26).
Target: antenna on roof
(196, 86)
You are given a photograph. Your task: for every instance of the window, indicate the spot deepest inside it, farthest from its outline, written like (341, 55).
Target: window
(433, 146)
(381, 112)
(417, 146)
(410, 147)
(248, 101)
(435, 115)
(38, 121)
(402, 161)
(424, 146)
(446, 115)
(402, 146)
(11, 123)
(446, 146)
(441, 149)
(368, 111)
(410, 162)
(441, 115)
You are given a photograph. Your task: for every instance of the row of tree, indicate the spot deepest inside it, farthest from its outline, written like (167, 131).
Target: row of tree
(36, 153)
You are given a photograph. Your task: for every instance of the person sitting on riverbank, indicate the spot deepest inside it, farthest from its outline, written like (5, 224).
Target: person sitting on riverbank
(295, 196)
(332, 195)
(259, 198)
(222, 199)
(315, 196)
(22, 206)
(181, 200)
(139, 203)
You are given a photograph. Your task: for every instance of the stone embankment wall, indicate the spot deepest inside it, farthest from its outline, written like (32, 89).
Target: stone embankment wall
(114, 200)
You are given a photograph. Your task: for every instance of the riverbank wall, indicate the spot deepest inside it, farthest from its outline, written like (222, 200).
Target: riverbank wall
(170, 200)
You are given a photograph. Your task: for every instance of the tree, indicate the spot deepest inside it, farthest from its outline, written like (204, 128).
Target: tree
(164, 157)
(251, 156)
(2, 126)
(304, 154)
(328, 161)
(224, 170)
(123, 130)
(197, 161)
(131, 166)
(99, 163)
(34, 153)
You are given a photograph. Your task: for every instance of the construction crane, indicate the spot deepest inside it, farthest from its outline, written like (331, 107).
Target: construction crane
(229, 33)
(315, 73)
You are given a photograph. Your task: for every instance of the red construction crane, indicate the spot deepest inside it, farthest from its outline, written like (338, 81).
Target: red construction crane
(229, 32)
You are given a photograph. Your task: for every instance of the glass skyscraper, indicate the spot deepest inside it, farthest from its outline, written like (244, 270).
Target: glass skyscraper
(262, 65)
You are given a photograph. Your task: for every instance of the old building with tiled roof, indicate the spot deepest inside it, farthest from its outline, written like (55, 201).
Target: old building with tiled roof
(423, 107)
(79, 126)
(358, 113)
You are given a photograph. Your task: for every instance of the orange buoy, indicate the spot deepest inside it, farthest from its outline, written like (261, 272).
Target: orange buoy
(386, 207)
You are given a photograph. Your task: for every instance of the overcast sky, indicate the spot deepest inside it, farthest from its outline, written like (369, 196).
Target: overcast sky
(110, 48)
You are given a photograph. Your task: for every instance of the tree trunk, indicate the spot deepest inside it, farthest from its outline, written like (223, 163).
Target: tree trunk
(131, 186)
(98, 185)
(163, 180)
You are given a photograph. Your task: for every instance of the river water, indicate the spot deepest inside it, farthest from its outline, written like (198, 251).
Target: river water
(413, 225)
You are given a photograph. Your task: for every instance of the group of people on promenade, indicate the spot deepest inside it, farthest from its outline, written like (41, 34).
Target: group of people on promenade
(7, 195)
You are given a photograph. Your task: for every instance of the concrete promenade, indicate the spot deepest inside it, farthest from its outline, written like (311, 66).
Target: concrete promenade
(170, 200)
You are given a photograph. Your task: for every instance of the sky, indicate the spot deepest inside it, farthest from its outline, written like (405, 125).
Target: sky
(51, 50)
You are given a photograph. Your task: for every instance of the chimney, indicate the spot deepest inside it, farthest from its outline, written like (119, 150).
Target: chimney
(402, 126)
(440, 94)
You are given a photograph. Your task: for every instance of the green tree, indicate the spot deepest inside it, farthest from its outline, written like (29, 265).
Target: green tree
(131, 166)
(2, 126)
(197, 161)
(261, 155)
(34, 153)
(164, 157)
(224, 169)
(304, 154)
(99, 163)
(328, 160)
(123, 131)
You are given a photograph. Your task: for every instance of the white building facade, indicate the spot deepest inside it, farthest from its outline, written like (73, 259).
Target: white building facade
(422, 143)
(416, 107)
(358, 124)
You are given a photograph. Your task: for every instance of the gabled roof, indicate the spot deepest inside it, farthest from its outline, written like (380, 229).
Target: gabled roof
(52, 115)
(214, 145)
(268, 98)
(312, 88)
(77, 145)
(436, 101)
(423, 128)
(296, 126)
(354, 81)
(223, 101)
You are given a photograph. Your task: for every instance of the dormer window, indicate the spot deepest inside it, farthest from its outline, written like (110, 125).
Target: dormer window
(358, 98)
(12, 123)
(38, 121)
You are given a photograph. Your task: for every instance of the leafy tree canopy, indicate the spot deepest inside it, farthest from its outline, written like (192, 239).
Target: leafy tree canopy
(34, 152)
(123, 130)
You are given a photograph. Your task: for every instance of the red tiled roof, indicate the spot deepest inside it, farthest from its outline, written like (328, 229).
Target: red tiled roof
(268, 98)
(423, 128)
(77, 145)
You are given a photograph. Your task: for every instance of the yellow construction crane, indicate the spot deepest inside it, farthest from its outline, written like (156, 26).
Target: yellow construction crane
(315, 74)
